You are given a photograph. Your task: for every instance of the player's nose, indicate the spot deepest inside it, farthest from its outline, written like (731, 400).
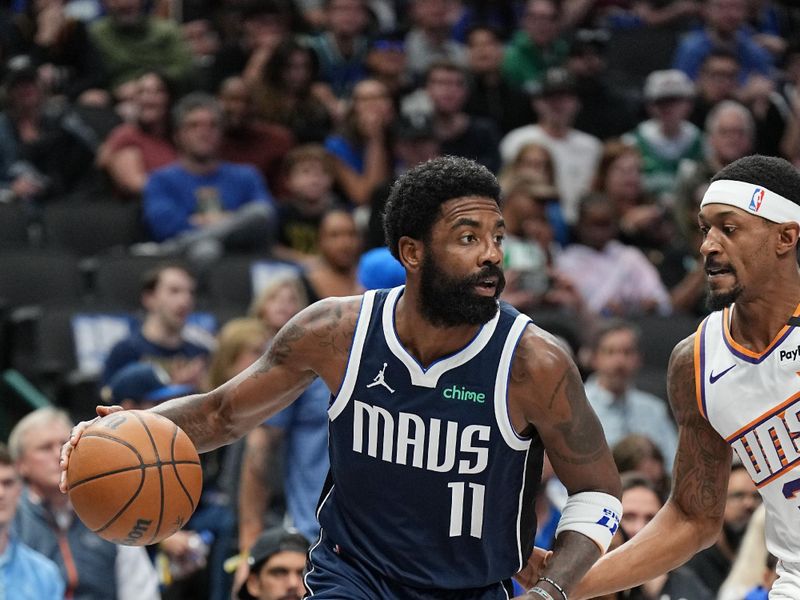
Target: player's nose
(490, 253)
(710, 245)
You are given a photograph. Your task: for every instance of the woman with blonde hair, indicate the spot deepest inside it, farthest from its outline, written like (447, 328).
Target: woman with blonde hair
(533, 161)
(278, 301)
(239, 344)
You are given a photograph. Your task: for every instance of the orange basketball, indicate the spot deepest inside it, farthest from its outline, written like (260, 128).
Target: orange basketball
(134, 477)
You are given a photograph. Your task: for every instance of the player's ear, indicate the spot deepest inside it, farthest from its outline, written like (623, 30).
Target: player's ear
(411, 252)
(788, 235)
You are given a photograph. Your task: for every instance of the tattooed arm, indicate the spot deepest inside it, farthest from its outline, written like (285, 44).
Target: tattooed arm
(692, 517)
(547, 394)
(316, 342)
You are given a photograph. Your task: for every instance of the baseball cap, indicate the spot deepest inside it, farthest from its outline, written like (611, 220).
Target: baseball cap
(142, 382)
(670, 83)
(378, 269)
(18, 69)
(555, 81)
(411, 127)
(272, 541)
(589, 40)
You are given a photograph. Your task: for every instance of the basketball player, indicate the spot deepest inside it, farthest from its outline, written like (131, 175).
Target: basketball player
(735, 383)
(445, 402)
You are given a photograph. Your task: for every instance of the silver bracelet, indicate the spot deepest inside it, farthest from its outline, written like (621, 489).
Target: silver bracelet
(554, 584)
(540, 592)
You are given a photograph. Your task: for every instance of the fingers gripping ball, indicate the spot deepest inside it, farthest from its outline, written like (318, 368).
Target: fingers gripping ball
(134, 478)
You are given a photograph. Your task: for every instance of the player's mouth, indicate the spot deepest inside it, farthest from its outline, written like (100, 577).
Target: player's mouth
(717, 272)
(487, 286)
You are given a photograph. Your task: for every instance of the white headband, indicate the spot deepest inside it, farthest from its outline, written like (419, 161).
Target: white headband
(754, 199)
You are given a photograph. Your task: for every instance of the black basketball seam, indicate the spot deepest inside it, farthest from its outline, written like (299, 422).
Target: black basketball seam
(119, 441)
(125, 470)
(160, 477)
(125, 507)
(175, 468)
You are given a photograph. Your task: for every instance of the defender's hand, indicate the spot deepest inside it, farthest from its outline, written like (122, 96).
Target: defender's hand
(77, 431)
(537, 561)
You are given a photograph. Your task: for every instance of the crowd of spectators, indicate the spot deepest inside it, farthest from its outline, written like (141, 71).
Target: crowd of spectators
(273, 130)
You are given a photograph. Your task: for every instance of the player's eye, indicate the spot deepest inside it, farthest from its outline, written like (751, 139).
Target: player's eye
(468, 238)
(728, 229)
(498, 239)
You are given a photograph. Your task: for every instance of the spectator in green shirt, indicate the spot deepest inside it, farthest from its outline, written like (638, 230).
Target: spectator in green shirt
(131, 42)
(537, 46)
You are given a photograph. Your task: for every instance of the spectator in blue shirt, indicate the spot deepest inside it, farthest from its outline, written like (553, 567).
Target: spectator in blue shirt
(200, 201)
(615, 358)
(30, 575)
(725, 30)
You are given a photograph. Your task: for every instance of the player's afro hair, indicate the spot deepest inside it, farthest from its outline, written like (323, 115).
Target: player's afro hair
(417, 195)
(771, 172)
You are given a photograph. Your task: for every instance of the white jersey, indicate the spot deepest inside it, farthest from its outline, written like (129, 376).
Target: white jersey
(753, 401)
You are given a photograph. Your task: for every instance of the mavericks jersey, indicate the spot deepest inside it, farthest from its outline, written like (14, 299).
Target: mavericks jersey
(753, 401)
(429, 484)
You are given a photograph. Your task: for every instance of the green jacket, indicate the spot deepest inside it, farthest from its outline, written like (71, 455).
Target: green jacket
(131, 51)
(525, 63)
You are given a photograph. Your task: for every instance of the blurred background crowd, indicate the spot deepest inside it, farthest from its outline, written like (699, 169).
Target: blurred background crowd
(178, 178)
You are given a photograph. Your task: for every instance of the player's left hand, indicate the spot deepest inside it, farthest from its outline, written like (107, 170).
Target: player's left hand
(529, 574)
(66, 449)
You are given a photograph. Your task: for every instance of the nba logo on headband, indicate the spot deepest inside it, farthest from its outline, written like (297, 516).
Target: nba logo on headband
(756, 199)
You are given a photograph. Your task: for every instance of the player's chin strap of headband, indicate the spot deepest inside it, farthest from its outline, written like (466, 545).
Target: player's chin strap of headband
(753, 199)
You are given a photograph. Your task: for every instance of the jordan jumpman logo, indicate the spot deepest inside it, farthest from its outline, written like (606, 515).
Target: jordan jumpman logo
(379, 380)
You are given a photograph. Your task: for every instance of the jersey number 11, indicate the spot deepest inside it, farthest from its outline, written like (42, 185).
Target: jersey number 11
(457, 506)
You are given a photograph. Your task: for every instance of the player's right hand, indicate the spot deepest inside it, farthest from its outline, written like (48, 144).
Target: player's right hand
(74, 436)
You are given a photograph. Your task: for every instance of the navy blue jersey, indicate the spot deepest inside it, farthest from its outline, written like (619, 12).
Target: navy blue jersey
(430, 484)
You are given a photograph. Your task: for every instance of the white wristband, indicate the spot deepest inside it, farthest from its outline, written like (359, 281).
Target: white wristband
(594, 514)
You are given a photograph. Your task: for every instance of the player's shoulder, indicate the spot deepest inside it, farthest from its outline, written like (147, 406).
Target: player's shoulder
(541, 353)
(339, 313)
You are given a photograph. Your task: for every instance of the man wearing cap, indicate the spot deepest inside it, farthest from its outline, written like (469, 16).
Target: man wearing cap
(276, 565)
(667, 137)
(140, 386)
(575, 153)
(733, 384)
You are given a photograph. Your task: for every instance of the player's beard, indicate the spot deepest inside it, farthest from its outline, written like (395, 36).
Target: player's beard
(719, 300)
(447, 301)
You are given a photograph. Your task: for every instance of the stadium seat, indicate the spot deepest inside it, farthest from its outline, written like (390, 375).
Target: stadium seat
(117, 278)
(87, 228)
(231, 283)
(39, 277)
(61, 349)
(659, 335)
(13, 225)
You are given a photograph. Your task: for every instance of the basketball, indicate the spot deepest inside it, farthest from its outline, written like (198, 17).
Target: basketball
(134, 478)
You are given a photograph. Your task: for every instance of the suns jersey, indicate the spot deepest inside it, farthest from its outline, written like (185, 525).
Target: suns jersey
(430, 485)
(753, 401)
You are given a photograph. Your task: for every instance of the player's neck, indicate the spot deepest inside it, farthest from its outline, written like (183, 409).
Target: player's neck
(425, 341)
(755, 323)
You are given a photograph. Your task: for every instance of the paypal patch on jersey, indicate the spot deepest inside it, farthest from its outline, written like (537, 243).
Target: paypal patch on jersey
(430, 485)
